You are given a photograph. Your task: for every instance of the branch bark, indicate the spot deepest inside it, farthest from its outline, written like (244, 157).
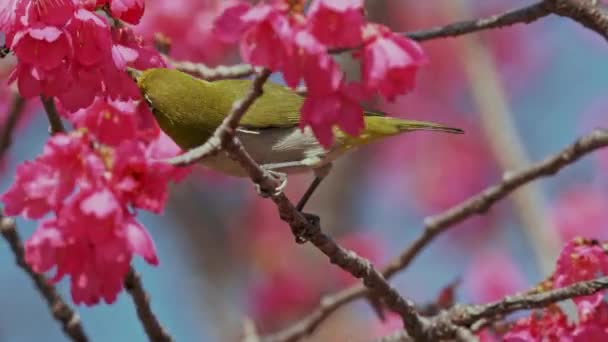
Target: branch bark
(61, 311)
(141, 300)
(469, 314)
(522, 15)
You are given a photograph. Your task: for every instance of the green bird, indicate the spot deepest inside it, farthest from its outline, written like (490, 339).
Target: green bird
(189, 110)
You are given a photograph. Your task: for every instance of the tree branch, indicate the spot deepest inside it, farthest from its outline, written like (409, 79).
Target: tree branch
(469, 314)
(61, 311)
(302, 228)
(56, 125)
(526, 15)
(141, 300)
(437, 224)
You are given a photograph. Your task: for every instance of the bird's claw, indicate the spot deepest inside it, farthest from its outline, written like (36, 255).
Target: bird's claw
(282, 178)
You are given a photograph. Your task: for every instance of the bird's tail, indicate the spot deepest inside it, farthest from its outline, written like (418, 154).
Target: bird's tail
(379, 126)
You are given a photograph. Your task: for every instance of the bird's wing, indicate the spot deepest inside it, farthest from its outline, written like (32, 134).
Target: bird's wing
(279, 106)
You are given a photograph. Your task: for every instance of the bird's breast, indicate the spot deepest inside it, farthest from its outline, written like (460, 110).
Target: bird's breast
(297, 150)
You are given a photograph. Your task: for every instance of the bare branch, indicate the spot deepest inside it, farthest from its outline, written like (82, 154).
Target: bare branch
(436, 225)
(152, 326)
(61, 311)
(467, 315)
(526, 15)
(56, 125)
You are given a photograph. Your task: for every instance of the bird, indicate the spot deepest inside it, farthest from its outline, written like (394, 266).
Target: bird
(189, 110)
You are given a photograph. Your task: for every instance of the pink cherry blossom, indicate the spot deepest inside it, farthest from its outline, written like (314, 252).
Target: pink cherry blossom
(552, 325)
(390, 61)
(341, 108)
(110, 122)
(337, 23)
(93, 191)
(267, 41)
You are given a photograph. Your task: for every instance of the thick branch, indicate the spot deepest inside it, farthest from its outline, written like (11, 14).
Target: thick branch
(526, 15)
(436, 225)
(61, 311)
(141, 300)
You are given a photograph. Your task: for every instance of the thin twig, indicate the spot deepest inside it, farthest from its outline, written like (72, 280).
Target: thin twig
(61, 311)
(141, 300)
(6, 136)
(466, 315)
(436, 225)
(56, 125)
(522, 15)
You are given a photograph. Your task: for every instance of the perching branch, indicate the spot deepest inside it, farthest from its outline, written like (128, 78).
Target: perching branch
(526, 15)
(56, 125)
(141, 300)
(61, 311)
(437, 224)
(303, 229)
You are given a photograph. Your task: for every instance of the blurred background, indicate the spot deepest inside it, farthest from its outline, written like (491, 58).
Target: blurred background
(521, 93)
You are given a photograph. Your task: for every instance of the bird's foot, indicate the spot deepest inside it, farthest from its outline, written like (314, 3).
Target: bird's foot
(281, 177)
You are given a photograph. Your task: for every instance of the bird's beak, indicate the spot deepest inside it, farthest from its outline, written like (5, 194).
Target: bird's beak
(134, 73)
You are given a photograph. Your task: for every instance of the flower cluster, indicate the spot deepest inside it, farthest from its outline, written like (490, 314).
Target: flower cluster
(281, 37)
(91, 181)
(579, 260)
(93, 192)
(66, 49)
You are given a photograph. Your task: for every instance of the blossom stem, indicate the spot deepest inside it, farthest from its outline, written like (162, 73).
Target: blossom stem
(56, 125)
